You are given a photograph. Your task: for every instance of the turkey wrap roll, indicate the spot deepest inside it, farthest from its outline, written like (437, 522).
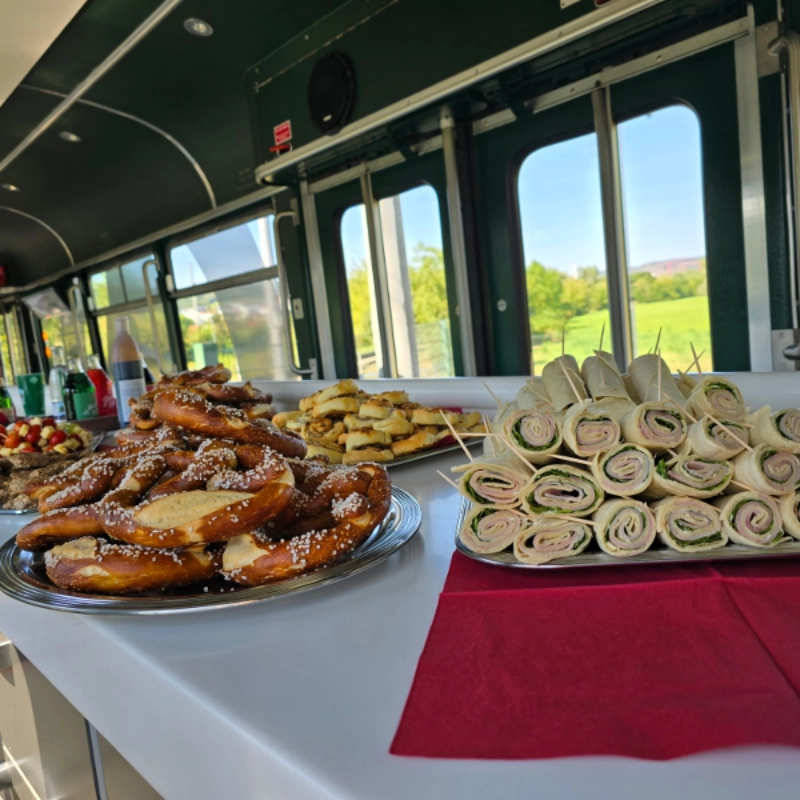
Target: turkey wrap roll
(602, 376)
(559, 386)
(496, 481)
(549, 537)
(562, 489)
(709, 439)
(718, 397)
(688, 525)
(490, 529)
(533, 394)
(644, 372)
(656, 426)
(751, 518)
(614, 407)
(780, 429)
(588, 430)
(624, 527)
(767, 470)
(690, 476)
(534, 433)
(625, 470)
(789, 505)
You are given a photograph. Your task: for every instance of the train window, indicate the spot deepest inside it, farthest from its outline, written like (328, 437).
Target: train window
(233, 251)
(564, 253)
(240, 326)
(412, 243)
(9, 371)
(123, 285)
(662, 190)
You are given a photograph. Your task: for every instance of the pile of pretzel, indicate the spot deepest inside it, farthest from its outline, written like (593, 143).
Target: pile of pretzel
(349, 426)
(209, 491)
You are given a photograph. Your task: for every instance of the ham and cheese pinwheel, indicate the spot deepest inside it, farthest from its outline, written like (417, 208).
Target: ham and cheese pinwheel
(563, 382)
(495, 481)
(718, 397)
(587, 430)
(653, 380)
(562, 489)
(688, 525)
(490, 529)
(709, 439)
(602, 376)
(789, 505)
(534, 433)
(780, 430)
(688, 476)
(767, 470)
(656, 426)
(624, 528)
(751, 518)
(548, 537)
(534, 395)
(625, 470)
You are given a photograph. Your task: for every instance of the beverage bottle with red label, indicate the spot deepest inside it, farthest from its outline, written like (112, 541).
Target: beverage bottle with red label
(126, 369)
(106, 402)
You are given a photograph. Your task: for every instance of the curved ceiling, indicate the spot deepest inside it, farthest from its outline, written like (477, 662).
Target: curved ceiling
(164, 126)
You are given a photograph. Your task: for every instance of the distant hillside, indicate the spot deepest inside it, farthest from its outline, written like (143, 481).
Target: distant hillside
(672, 266)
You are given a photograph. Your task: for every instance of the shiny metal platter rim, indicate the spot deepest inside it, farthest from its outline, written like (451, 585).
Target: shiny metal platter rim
(19, 578)
(436, 451)
(657, 554)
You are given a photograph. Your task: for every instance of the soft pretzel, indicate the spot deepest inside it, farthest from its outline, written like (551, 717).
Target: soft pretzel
(191, 412)
(82, 483)
(252, 560)
(97, 566)
(211, 459)
(141, 415)
(210, 374)
(230, 395)
(132, 438)
(259, 466)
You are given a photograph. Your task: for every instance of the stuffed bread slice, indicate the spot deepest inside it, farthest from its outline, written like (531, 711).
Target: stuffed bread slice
(688, 525)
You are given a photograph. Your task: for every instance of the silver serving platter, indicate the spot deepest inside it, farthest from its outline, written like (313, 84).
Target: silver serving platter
(658, 553)
(23, 577)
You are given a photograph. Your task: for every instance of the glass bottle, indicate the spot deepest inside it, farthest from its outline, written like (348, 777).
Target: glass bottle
(149, 378)
(106, 402)
(126, 369)
(58, 376)
(7, 409)
(80, 398)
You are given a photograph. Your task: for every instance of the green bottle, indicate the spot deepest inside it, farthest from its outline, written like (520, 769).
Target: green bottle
(6, 405)
(80, 398)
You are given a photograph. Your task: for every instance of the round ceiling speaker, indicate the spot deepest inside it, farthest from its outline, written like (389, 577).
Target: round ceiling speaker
(331, 93)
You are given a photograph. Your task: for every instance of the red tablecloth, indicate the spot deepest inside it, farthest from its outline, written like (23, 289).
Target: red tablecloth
(652, 662)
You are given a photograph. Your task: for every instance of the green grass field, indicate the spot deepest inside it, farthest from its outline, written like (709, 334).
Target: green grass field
(683, 321)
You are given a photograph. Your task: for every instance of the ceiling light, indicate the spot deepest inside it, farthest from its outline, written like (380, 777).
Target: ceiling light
(69, 137)
(198, 27)
(9, 187)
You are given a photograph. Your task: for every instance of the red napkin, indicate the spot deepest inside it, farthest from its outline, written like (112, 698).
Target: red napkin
(651, 662)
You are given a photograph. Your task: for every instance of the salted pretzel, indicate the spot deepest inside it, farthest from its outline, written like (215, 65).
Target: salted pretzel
(191, 412)
(230, 395)
(130, 438)
(94, 565)
(63, 524)
(210, 374)
(251, 559)
(141, 415)
(78, 484)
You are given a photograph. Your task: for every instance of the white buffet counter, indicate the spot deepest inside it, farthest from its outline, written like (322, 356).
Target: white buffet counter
(300, 697)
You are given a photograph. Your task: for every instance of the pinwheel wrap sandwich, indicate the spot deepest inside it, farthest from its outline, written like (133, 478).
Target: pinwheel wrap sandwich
(767, 470)
(644, 372)
(562, 489)
(587, 430)
(780, 430)
(550, 537)
(656, 426)
(751, 518)
(789, 505)
(718, 397)
(624, 528)
(602, 376)
(490, 529)
(625, 470)
(709, 439)
(559, 386)
(690, 476)
(533, 433)
(496, 481)
(688, 525)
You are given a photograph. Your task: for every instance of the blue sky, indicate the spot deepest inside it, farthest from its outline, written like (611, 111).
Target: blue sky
(559, 190)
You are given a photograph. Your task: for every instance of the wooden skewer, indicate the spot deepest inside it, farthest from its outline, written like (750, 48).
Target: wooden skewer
(696, 359)
(658, 356)
(658, 341)
(487, 429)
(589, 522)
(695, 362)
(563, 337)
(602, 334)
(584, 462)
(744, 486)
(570, 381)
(457, 437)
(497, 400)
(449, 480)
(730, 432)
